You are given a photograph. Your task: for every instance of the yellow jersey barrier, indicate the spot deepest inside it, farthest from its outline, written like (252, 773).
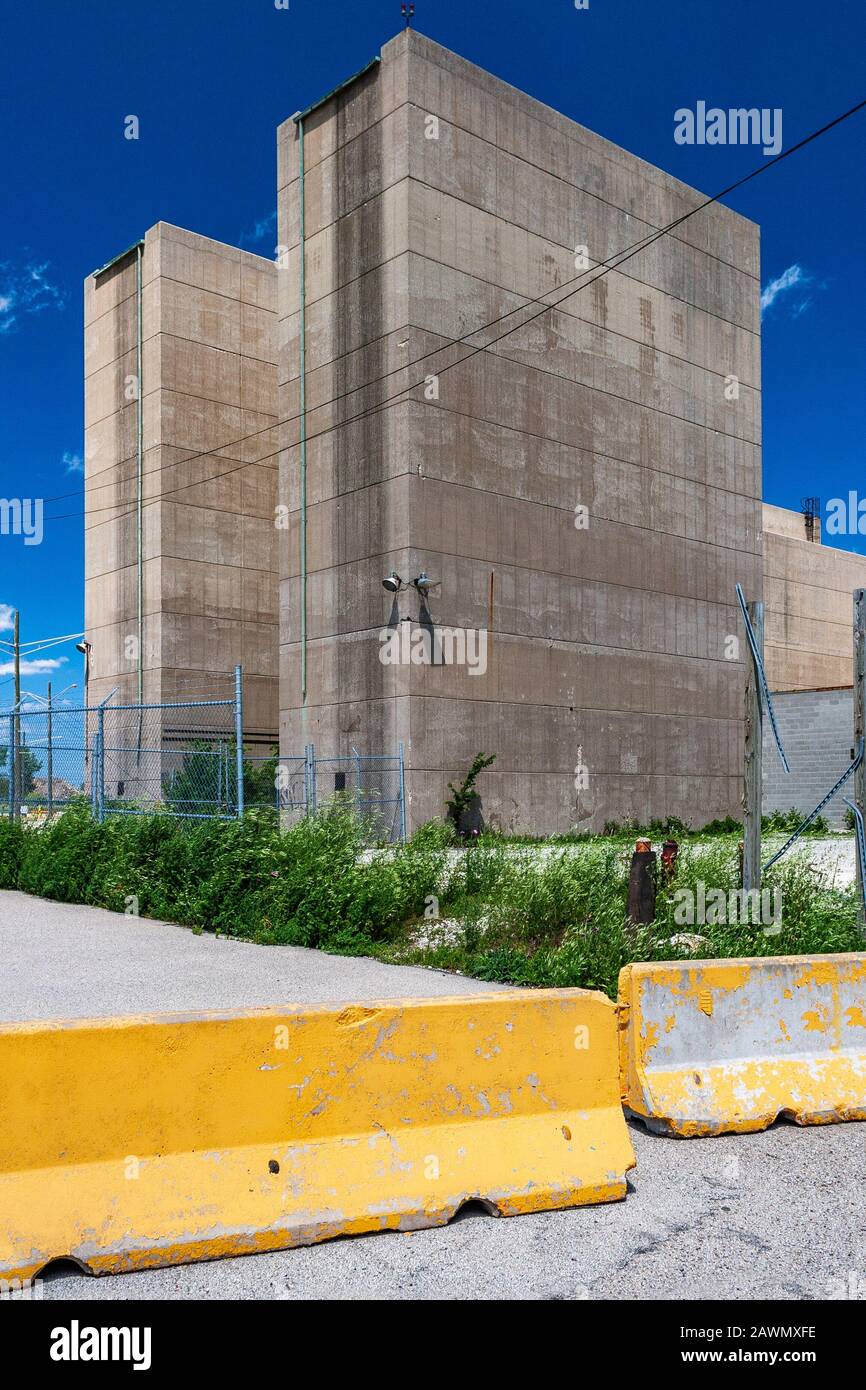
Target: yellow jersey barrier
(720, 1046)
(130, 1143)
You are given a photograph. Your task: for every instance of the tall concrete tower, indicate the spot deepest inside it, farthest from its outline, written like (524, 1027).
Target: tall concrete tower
(180, 474)
(584, 490)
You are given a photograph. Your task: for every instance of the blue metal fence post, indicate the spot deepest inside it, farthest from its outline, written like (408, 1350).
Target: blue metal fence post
(239, 737)
(10, 759)
(402, 796)
(100, 764)
(94, 778)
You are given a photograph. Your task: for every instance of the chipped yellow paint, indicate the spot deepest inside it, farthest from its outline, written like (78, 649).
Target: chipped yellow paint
(670, 1023)
(816, 1021)
(738, 1066)
(136, 1142)
(820, 972)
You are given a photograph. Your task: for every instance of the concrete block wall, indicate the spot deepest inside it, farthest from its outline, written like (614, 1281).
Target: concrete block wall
(209, 537)
(606, 645)
(817, 731)
(808, 605)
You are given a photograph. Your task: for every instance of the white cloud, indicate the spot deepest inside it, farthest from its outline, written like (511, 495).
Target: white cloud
(25, 288)
(74, 462)
(794, 278)
(40, 666)
(7, 613)
(265, 227)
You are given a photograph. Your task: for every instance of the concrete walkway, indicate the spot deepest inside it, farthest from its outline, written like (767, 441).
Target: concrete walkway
(58, 960)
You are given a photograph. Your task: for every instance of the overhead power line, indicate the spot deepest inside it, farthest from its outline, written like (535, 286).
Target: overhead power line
(613, 263)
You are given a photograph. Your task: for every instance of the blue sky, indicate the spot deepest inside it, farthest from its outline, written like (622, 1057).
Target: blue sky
(209, 82)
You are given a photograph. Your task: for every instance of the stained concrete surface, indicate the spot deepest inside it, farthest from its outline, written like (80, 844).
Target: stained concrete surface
(773, 1215)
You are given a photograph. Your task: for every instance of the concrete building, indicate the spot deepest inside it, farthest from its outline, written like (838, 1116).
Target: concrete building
(180, 543)
(808, 652)
(808, 605)
(584, 492)
(580, 484)
(817, 729)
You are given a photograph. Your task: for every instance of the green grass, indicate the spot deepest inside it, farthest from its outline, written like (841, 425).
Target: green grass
(513, 914)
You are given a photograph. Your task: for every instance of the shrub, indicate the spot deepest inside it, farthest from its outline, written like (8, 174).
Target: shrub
(11, 848)
(551, 915)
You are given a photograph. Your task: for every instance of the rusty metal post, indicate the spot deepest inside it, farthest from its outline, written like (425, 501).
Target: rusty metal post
(670, 850)
(642, 885)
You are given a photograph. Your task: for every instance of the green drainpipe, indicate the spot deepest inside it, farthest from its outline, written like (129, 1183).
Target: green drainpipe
(140, 487)
(303, 407)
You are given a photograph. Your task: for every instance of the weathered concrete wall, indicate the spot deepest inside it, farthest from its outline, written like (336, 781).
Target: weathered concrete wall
(781, 521)
(817, 728)
(606, 646)
(209, 540)
(808, 605)
(356, 217)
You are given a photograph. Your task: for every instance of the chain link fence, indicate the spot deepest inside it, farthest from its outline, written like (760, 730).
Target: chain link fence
(185, 759)
(373, 787)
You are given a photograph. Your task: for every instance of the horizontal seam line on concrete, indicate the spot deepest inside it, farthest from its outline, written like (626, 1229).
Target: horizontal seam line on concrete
(550, 506)
(510, 565)
(578, 709)
(319, 164)
(178, 463)
(166, 502)
(634, 279)
(124, 509)
(587, 192)
(568, 381)
(564, 644)
(611, 521)
(593, 453)
(530, 434)
(127, 298)
(213, 347)
(187, 395)
(449, 482)
(608, 270)
(821, 588)
(493, 284)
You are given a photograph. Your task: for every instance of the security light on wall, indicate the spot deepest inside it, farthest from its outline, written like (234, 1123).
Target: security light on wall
(423, 584)
(393, 583)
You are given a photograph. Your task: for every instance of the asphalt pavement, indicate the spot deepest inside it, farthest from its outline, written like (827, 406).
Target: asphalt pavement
(777, 1215)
